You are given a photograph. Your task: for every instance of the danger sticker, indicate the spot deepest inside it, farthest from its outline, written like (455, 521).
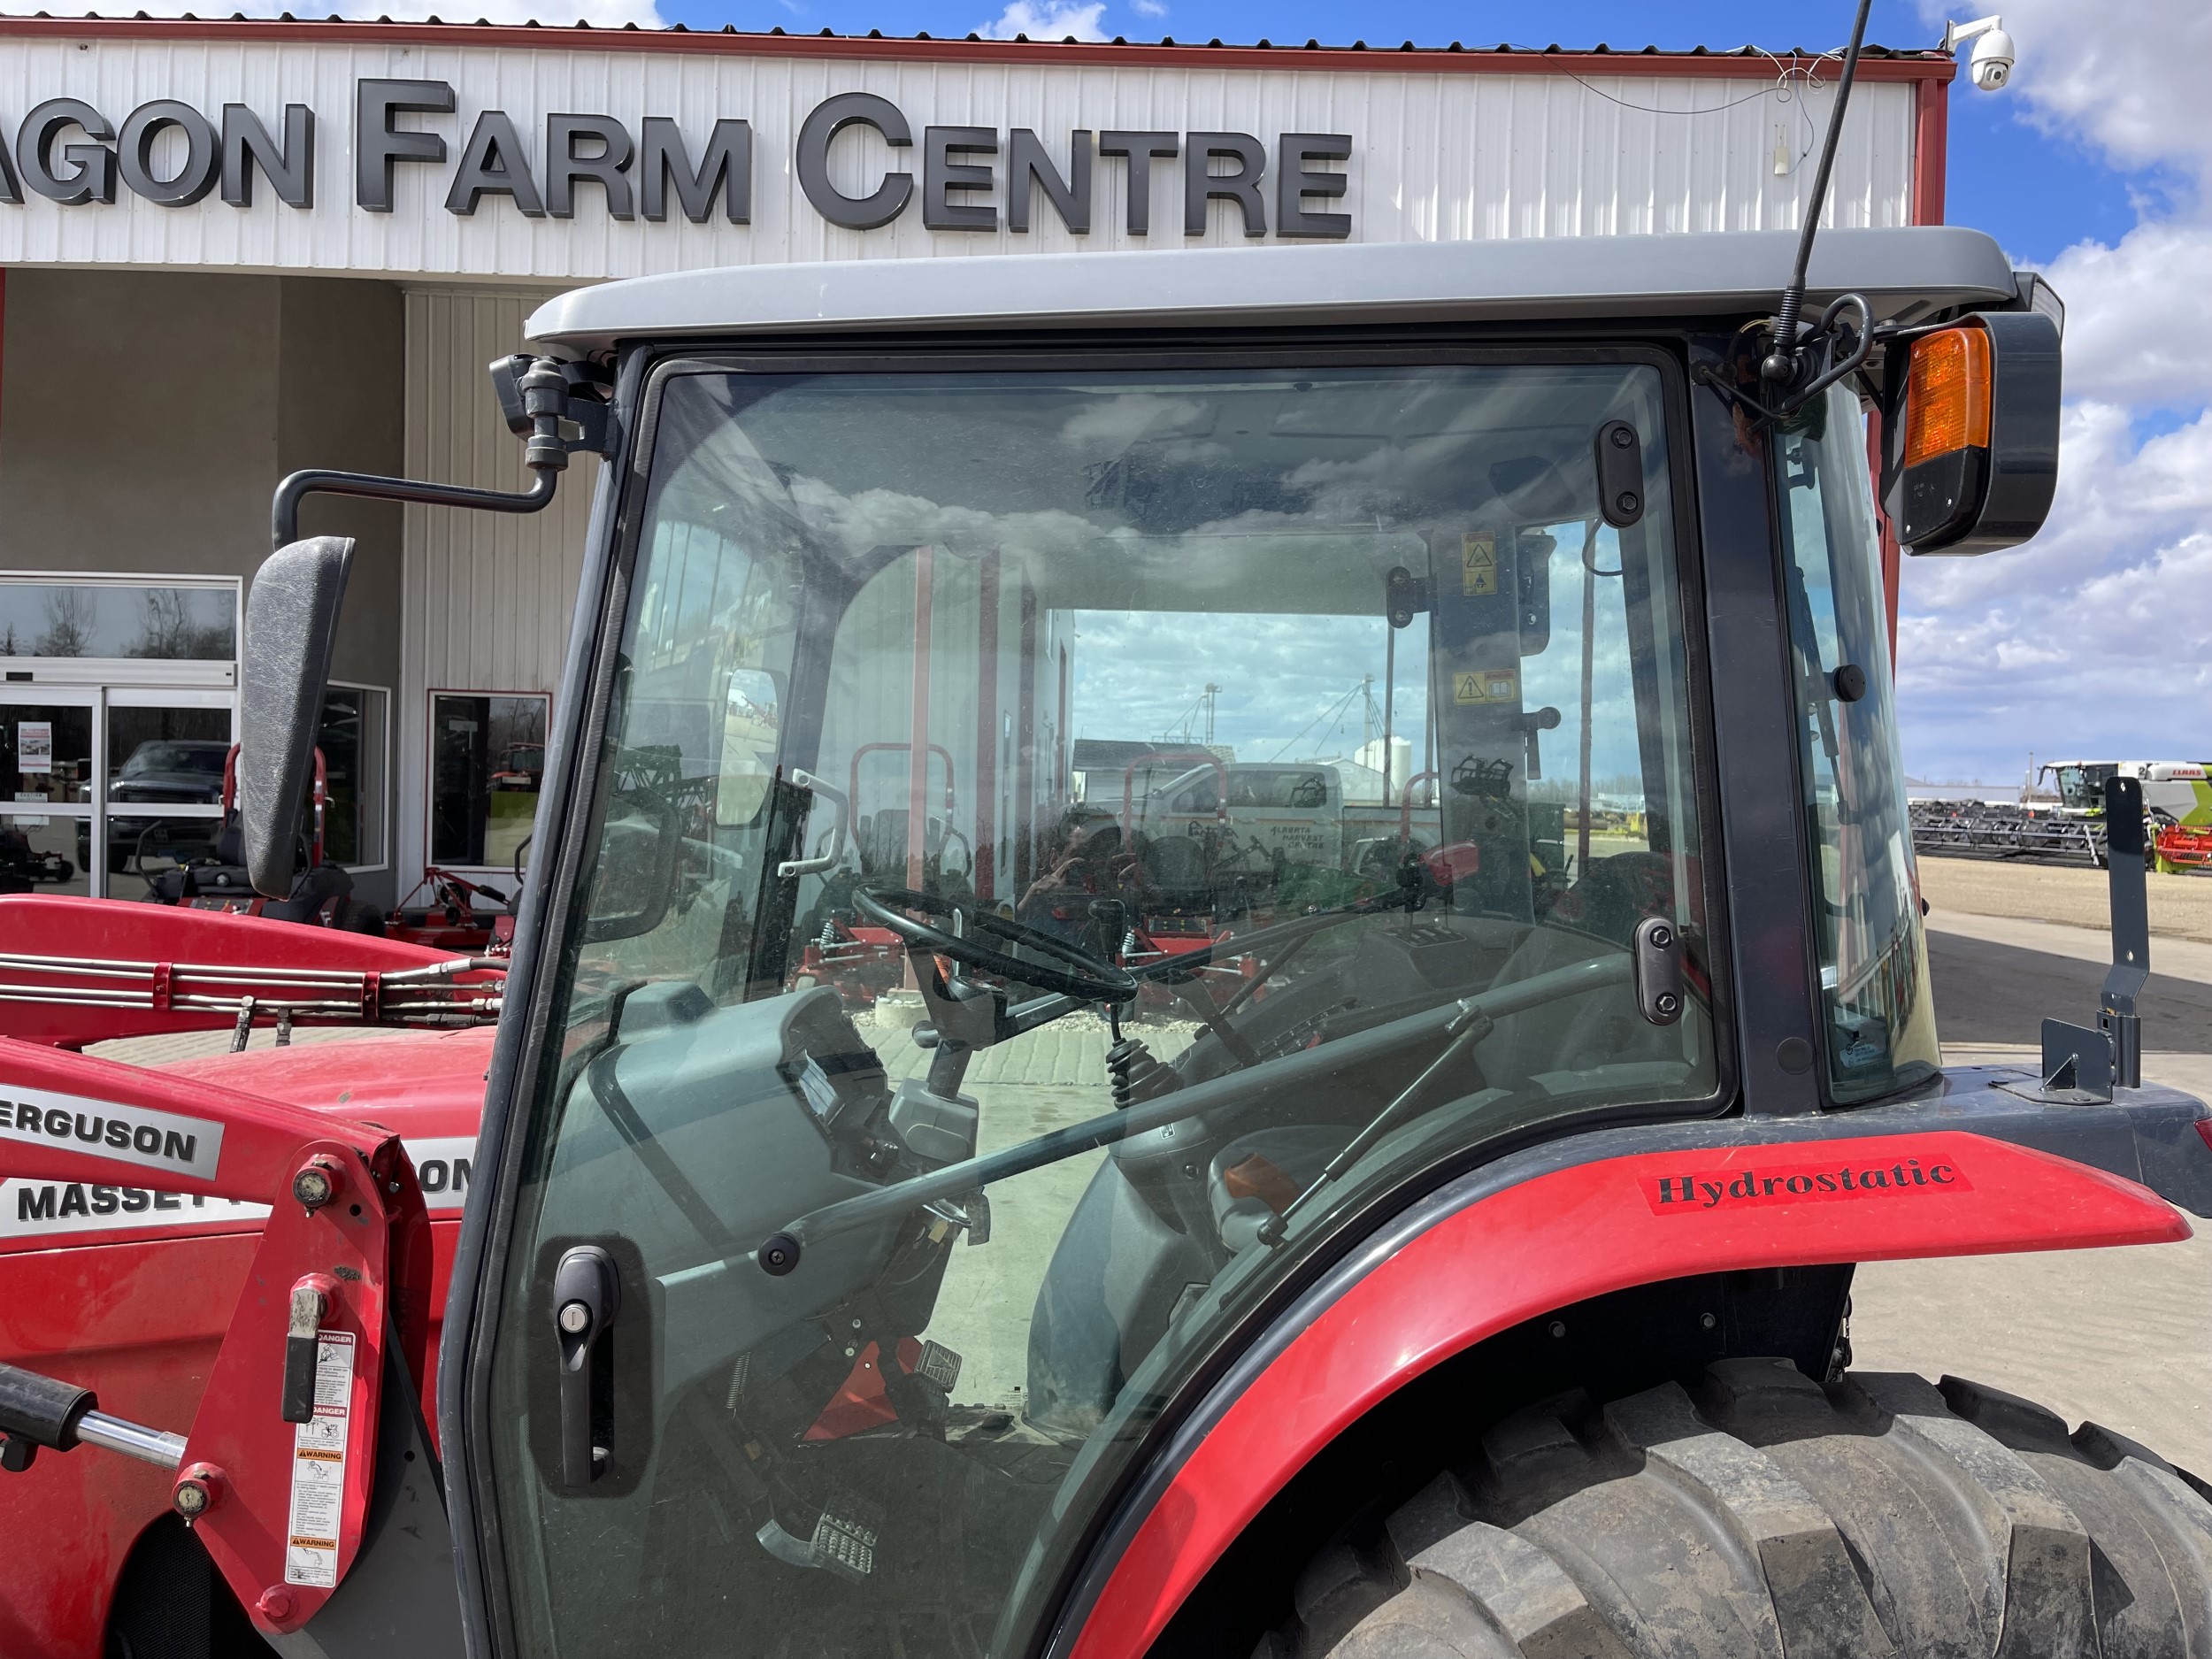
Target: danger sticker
(1478, 564)
(1487, 685)
(1696, 1193)
(319, 1468)
(129, 1134)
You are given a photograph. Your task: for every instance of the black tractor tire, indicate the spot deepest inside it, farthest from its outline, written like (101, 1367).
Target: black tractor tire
(1759, 1513)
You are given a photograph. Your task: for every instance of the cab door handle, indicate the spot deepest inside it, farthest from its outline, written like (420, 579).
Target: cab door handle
(1658, 962)
(586, 1297)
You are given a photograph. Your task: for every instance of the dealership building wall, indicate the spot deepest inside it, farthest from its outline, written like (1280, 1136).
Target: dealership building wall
(163, 366)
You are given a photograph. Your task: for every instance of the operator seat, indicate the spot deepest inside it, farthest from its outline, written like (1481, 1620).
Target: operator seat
(1254, 1175)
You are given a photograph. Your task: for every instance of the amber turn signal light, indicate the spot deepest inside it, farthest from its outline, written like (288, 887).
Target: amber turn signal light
(1947, 395)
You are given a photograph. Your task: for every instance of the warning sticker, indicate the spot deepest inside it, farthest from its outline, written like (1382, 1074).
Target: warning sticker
(1487, 684)
(1479, 563)
(319, 1468)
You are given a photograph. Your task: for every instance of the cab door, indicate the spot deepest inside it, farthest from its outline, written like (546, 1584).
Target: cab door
(813, 1309)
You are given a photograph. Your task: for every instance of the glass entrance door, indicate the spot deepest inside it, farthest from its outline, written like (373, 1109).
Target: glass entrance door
(49, 769)
(106, 787)
(164, 784)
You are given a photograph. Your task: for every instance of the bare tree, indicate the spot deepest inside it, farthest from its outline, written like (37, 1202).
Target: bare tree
(69, 624)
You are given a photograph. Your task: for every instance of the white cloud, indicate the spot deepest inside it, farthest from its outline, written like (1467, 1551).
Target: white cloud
(1148, 8)
(2128, 78)
(2135, 314)
(1052, 21)
(2096, 637)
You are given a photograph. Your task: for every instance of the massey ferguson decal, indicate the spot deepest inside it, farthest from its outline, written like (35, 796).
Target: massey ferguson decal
(1697, 1193)
(129, 1134)
(34, 1207)
(29, 1208)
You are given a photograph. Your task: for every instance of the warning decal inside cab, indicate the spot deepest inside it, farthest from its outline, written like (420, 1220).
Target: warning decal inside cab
(1690, 1192)
(129, 1134)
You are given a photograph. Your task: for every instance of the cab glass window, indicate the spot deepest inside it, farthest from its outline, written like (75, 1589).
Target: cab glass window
(1881, 1013)
(1066, 846)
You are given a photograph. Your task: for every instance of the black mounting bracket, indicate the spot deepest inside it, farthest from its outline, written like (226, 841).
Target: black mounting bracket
(2085, 1063)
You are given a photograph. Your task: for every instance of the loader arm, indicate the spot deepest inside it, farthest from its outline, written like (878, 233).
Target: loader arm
(276, 1469)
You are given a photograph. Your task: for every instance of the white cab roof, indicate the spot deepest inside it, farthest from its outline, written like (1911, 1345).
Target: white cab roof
(1904, 273)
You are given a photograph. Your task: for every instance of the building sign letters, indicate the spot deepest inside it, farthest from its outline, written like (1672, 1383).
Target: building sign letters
(967, 178)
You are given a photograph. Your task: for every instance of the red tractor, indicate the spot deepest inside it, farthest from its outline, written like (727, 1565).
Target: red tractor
(1483, 1288)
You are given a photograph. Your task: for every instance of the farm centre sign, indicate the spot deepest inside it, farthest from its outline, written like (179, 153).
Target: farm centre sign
(962, 177)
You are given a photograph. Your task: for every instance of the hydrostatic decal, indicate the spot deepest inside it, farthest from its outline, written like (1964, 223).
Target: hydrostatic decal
(1694, 1192)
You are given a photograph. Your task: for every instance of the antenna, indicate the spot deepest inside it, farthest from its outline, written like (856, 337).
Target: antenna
(1802, 363)
(1787, 355)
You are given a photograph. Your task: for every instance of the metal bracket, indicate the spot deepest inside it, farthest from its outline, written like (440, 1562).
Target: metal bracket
(2083, 1064)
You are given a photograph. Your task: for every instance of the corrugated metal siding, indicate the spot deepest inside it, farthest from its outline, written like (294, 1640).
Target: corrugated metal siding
(1451, 157)
(488, 596)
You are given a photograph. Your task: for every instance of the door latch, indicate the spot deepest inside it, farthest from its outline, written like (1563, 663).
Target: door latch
(1658, 966)
(587, 1297)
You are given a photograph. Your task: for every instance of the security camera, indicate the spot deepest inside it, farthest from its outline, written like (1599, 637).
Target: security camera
(1993, 57)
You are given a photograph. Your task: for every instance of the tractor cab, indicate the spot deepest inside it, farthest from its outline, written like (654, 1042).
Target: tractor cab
(853, 1315)
(913, 1170)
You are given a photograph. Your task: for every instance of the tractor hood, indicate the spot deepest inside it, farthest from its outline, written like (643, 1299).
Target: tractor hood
(427, 1086)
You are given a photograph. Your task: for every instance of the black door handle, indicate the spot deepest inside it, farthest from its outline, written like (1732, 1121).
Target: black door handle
(1658, 962)
(587, 1297)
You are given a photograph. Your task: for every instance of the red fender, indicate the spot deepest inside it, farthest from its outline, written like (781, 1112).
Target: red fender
(1578, 1233)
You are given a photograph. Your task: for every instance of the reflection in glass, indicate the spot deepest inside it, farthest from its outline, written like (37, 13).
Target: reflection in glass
(142, 850)
(46, 752)
(351, 738)
(486, 760)
(116, 619)
(166, 756)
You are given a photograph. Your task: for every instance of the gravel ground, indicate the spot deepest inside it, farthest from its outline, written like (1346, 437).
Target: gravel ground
(2124, 1337)
(2074, 896)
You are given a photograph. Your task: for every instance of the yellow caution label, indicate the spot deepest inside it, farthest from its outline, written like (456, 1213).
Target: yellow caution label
(1487, 685)
(1479, 563)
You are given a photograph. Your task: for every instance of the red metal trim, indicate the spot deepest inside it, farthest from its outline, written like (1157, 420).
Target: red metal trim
(1893, 560)
(1026, 745)
(1165, 54)
(1931, 145)
(917, 739)
(987, 713)
(1580, 1233)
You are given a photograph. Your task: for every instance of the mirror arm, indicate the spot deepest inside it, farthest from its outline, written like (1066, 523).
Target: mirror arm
(545, 399)
(284, 513)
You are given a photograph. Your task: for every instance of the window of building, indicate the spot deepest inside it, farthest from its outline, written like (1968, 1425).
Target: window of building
(353, 739)
(487, 762)
(169, 630)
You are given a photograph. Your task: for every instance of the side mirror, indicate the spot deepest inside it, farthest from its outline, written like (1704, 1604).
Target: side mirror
(291, 625)
(1972, 431)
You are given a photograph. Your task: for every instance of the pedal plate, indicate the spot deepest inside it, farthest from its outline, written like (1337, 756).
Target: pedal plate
(938, 1364)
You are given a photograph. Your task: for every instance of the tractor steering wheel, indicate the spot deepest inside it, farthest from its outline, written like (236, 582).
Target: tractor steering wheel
(1077, 974)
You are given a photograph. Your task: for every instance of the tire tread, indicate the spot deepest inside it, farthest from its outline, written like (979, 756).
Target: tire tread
(1757, 1512)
